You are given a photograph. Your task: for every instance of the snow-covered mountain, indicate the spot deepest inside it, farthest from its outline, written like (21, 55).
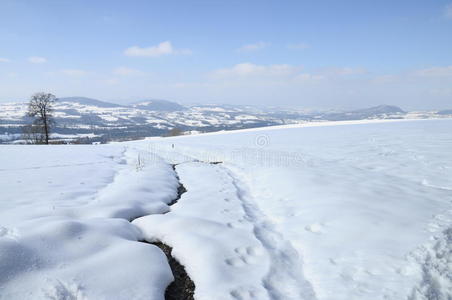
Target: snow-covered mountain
(79, 116)
(88, 101)
(158, 105)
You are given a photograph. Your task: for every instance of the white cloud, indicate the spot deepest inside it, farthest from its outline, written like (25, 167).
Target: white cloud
(125, 71)
(111, 81)
(252, 70)
(164, 48)
(385, 79)
(252, 47)
(74, 72)
(304, 77)
(4, 60)
(299, 46)
(37, 60)
(282, 72)
(435, 72)
(448, 11)
(344, 71)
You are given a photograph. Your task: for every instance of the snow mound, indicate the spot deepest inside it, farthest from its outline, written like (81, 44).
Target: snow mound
(61, 258)
(64, 229)
(435, 261)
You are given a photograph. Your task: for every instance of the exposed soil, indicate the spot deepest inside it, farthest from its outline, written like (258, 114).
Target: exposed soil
(182, 288)
(180, 189)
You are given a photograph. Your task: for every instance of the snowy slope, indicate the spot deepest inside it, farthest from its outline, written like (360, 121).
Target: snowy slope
(355, 202)
(357, 211)
(64, 232)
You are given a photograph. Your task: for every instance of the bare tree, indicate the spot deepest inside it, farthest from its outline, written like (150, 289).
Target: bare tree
(40, 108)
(32, 134)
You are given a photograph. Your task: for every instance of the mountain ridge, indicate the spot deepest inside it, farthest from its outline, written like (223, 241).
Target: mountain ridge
(105, 121)
(88, 101)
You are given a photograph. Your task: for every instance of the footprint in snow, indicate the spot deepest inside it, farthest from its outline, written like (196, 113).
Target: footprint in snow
(240, 223)
(246, 256)
(315, 228)
(246, 293)
(235, 262)
(230, 225)
(251, 251)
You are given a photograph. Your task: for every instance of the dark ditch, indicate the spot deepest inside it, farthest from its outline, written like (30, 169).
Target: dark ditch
(180, 189)
(182, 288)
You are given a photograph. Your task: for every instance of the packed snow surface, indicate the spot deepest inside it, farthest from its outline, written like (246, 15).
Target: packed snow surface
(358, 211)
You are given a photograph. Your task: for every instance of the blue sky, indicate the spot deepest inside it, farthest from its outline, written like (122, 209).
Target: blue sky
(313, 54)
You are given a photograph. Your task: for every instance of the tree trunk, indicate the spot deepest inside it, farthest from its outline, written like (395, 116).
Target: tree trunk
(46, 131)
(46, 127)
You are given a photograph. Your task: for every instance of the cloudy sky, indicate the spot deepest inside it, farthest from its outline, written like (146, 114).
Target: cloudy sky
(312, 54)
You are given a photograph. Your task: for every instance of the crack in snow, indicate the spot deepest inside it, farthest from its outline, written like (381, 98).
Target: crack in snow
(180, 189)
(182, 287)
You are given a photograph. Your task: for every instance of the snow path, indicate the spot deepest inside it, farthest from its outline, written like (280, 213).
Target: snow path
(281, 274)
(211, 237)
(285, 279)
(286, 263)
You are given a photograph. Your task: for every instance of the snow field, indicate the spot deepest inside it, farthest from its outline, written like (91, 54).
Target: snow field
(61, 258)
(64, 229)
(354, 201)
(359, 211)
(211, 236)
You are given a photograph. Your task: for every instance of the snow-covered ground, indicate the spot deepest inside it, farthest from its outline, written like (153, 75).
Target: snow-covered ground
(64, 232)
(358, 211)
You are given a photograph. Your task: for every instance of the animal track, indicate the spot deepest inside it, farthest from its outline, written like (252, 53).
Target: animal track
(246, 256)
(235, 262)
(252, 251)
(244, 293)
(237, 224)
(315, 228)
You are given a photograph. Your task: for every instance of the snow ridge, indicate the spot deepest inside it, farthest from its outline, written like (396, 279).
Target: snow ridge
(285, 280)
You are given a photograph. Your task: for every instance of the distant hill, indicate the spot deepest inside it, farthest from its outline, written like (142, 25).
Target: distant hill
(158, 105)
(445, 112)
(380, 109)
(105, 121)
(88, 101)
